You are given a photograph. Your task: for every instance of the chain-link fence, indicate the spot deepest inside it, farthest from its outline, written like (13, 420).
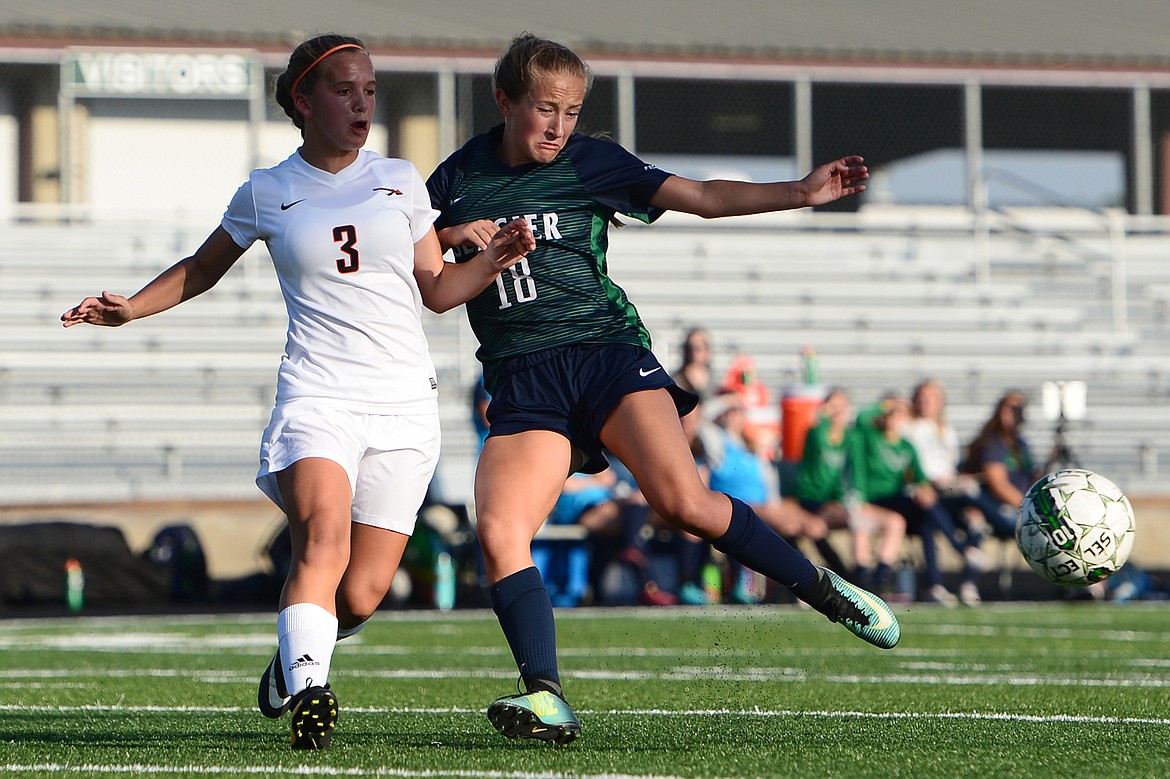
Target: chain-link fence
(955, 144)
(954, 141)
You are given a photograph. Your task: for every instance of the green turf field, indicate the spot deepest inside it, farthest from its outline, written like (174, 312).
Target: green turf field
(1043, 690)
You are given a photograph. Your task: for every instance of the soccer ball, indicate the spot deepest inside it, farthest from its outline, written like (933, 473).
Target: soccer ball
(1075, 527)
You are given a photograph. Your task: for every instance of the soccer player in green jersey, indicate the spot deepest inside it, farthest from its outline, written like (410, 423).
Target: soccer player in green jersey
(568, 364)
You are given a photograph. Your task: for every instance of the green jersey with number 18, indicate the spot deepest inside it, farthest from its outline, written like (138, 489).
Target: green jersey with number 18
(561, 292)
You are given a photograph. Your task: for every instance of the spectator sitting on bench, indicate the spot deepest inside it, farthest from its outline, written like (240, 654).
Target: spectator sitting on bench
(738, 469)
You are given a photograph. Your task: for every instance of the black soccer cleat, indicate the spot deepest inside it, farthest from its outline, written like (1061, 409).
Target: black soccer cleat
(314, 716)
(272, 697)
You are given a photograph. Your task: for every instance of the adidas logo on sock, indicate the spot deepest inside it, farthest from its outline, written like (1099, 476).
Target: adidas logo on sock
(303, 661)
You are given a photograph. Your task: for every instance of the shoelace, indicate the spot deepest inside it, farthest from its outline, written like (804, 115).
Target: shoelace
(543, 684)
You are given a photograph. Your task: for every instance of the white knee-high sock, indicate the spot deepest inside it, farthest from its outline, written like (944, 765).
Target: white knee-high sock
(307, 634)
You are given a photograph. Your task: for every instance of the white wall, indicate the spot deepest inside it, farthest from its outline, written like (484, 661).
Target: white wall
(177, 156)
(163, 154)
(8, 150)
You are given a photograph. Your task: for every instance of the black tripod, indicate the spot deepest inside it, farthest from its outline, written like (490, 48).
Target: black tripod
(1061, 455)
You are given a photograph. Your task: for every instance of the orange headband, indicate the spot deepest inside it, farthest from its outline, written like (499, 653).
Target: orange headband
(314, 63)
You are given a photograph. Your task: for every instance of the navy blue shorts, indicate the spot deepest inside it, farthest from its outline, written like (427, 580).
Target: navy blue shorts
(571, 390)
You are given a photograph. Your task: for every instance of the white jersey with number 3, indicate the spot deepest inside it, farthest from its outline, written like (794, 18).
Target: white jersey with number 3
(343, 248)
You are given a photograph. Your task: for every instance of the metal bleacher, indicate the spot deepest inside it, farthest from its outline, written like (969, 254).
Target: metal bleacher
(890, 299)
(172, 407)
(167, 408)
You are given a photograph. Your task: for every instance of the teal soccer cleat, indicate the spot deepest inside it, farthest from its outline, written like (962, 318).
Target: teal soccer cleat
(861, 612)
(541, 715)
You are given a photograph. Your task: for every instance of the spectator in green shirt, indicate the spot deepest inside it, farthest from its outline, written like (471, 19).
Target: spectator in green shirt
(822, 487)
(887, 473)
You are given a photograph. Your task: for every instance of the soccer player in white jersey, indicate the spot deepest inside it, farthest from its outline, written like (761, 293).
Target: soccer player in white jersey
(354, 437)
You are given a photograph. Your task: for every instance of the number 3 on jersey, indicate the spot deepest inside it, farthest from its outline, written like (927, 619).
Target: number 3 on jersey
(522, 283)
(346, 235)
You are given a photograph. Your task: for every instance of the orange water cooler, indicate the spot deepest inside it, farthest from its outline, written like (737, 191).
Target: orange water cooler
(798, 413)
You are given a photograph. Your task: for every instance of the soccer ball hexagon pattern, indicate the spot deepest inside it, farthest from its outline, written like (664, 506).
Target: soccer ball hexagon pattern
(1075, 527)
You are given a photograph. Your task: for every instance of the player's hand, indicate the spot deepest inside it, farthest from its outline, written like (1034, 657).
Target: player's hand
(508, 244)
(478, 234)
(835, 180)
(106, 310)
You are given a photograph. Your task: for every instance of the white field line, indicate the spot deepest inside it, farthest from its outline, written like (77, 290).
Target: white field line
(164, 642)
(939, 674)
(1043, 611)
(141, 769)
(1079, 719)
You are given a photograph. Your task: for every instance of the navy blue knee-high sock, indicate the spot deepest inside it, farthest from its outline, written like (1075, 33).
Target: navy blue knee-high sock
(525, 612)
(757, 546)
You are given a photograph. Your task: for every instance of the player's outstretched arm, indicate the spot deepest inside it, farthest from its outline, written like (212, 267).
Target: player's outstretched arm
(716, 198)
(185, 279)
(445, 285)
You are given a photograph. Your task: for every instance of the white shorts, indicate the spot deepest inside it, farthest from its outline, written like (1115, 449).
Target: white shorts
(390, 459)
(862, 519)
